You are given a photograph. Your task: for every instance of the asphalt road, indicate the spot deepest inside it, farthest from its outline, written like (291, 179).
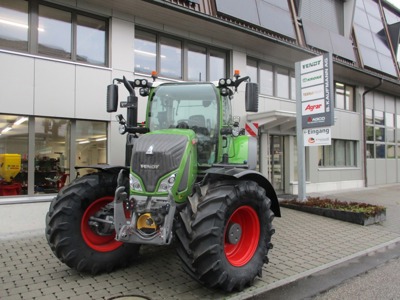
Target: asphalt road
(380, 283)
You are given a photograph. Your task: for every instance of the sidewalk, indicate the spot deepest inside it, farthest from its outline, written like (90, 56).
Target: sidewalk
(303, 244)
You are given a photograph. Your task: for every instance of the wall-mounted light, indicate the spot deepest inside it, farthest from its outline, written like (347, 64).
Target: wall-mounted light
(101, 139)
(20, 121)
(84, 142)
(17, 24)
(8, 128)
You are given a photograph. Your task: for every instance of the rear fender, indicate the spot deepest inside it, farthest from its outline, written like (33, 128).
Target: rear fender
(104, 168)
(252, 175)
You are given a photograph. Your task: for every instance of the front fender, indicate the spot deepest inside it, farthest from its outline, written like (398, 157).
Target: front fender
(252, 175)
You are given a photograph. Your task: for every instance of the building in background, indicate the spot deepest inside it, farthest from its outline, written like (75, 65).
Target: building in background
(57, 57)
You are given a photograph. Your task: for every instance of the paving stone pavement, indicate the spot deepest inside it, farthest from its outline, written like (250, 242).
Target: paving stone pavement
(303, 244)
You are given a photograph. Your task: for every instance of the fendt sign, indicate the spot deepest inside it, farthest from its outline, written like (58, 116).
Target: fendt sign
(316, 85)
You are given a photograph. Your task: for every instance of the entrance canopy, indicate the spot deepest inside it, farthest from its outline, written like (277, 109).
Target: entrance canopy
(276, 120)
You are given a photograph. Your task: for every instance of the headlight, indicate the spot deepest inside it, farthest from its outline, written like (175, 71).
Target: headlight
(167, 183)
(135, 183)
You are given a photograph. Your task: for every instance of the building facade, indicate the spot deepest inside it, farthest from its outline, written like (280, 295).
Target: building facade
(57, 57)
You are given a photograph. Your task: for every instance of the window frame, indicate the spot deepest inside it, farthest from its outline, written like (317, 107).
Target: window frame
(345, 104)
(349, 151)
(382, 130)
(290, 73)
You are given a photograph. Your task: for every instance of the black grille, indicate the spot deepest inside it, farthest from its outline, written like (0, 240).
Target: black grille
(165, 155)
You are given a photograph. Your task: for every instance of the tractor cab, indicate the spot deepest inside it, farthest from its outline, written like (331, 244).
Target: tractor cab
(191, 106)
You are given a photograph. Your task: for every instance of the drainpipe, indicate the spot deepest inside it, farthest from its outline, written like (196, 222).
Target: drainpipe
(364, 130)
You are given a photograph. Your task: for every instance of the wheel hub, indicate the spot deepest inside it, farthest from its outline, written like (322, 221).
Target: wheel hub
(234, 233)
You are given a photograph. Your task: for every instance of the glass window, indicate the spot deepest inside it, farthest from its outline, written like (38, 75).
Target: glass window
(197, 61)
(350, 153)
(145, 52)
(217, 65)
(370, 133)
(380, 151)
(13, 155)
(344, 96)
(282, 83)
(61, 32)
(170, 58)
(266, 79)
(390, 136)
(368, 116)
(251, 70)
(370, 151)
(342, 153)
(272, 80)
(52, 152)
(379, 119)
(389, 119)
(329, 156)
(398, 121)
(349, 98)
(339, 95)
(379, 134)
(91, 40)
(14, 24)
(54, 32)
(398, 151)
(91, 144)
(390, 153)
(177, 59)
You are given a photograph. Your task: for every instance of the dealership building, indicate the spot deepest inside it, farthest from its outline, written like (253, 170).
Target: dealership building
(57, 58)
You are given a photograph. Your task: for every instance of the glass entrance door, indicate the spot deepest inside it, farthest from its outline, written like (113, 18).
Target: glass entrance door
(277, 162)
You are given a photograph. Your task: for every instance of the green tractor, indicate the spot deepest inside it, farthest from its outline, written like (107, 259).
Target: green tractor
(191, 181)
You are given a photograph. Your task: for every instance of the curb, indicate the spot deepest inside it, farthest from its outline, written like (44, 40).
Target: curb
(291, 279)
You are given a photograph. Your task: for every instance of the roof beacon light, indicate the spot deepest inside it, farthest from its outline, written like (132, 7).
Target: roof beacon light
(154, 75)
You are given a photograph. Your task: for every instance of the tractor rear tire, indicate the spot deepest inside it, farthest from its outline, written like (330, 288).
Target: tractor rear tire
(225, 243)
(71, 238)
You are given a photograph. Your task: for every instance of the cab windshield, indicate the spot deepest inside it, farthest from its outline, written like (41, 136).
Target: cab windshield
(188, 106)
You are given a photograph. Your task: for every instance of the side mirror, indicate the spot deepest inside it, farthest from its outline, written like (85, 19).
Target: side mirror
(251, 97)
(112, 98)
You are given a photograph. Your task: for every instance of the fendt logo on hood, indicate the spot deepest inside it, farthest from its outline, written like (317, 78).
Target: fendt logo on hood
(149, 167)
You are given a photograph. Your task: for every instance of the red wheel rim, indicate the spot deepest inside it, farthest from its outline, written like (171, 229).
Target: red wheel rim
(241, 253)
(92, 239)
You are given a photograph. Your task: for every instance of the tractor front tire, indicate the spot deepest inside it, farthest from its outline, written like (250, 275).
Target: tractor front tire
(225, 243)
(73, 240)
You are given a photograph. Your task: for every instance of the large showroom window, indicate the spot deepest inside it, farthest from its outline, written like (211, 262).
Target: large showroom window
(177, 59)
(52, 153)
(91, 144)
(13, 155)
(51, 30)
(37, 153)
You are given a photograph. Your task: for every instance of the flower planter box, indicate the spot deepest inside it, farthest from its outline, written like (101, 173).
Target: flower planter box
(348, 216)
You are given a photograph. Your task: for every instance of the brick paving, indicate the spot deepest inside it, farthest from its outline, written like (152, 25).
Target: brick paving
(303, 244)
